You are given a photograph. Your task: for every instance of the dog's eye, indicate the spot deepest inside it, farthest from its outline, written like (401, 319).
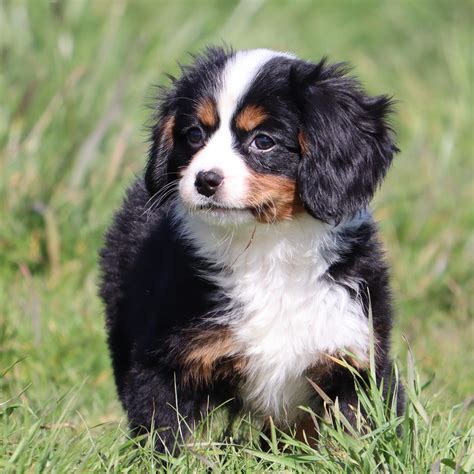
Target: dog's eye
(195, 136)
(263, 142)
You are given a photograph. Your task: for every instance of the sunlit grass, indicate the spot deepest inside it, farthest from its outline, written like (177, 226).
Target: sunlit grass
(75, 78)
(57, 436)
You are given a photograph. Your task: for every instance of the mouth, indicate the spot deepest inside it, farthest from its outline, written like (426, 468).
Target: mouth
(217, 208)
(263, 212)
(223, 215)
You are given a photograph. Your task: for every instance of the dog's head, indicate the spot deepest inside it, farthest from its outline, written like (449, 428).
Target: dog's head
(261, 135)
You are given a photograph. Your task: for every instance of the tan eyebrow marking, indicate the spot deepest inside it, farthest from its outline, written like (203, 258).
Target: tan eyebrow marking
(207, 112)
(303, 143)
(167, 132)
(250, 117)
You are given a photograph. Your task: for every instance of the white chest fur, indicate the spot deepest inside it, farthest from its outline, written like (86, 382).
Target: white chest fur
(285, 313)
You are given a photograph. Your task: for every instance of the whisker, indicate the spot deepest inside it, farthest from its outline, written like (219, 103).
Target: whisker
(158, 194)
(159, 198)
(188, 98)
(246, 247)
(227, 250)
(226, 235)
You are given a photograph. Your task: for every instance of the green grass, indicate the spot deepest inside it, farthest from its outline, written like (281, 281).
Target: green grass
(74, 81)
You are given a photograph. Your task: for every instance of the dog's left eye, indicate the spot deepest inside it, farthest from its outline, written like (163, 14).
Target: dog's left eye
(263, 142)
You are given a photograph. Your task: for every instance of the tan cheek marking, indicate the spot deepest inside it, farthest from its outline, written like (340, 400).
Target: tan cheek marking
(273, 198)
(207, 112)
(167, 132)
(303, 143)
(250, 117)
(212, 354)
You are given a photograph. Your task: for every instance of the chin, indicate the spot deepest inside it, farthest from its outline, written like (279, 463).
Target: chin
(225, 217)
(244, 261)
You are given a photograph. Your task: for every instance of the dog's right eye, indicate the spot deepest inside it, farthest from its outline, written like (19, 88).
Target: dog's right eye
(195, 136)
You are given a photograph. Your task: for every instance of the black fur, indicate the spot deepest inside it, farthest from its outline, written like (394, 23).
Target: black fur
(197, 81)
(151, 278)
(350, 142)
(147, 270)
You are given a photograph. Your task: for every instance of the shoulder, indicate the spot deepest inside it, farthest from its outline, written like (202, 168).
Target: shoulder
(361, 261)
(130, 228)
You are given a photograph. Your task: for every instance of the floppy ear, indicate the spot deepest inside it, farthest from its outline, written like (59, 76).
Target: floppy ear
(346, 142)
(161, 145)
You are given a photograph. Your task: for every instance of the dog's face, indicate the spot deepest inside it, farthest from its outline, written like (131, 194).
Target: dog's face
(261, 135)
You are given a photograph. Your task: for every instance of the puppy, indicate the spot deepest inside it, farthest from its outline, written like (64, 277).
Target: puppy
(246, 259)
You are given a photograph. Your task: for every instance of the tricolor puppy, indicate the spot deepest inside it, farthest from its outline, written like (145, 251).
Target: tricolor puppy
(243, 260)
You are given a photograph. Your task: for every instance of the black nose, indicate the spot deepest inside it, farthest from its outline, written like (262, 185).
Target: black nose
(207, 182)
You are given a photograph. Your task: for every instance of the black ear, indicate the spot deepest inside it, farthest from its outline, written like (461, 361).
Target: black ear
(347, 144)
(161, 145)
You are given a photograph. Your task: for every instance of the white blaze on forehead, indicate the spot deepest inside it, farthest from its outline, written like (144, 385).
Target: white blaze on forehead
(238, 75)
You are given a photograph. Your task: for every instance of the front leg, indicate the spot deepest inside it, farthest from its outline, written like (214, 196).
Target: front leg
(154, 399)
(342, 387)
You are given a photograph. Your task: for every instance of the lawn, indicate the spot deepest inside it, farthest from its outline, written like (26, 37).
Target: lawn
(75, 85)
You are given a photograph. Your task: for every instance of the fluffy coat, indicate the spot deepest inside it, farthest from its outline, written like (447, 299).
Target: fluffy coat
(246, 255)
